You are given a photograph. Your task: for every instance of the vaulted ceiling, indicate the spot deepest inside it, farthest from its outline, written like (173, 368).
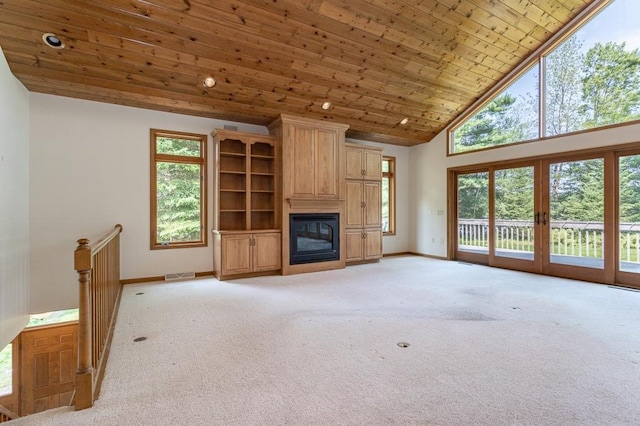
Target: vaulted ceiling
(376, 61)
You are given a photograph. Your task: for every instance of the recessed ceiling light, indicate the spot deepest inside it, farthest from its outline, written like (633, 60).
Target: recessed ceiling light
(404, 121)
(326, 105)
(209, 82)
(52, 40)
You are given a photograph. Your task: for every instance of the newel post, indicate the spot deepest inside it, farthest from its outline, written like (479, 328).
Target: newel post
(84, 374)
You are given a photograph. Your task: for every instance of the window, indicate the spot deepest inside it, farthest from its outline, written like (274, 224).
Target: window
(178, 189)
(6, 370)
(388, 195)
(510, 117)
(54, 317)
(589, 80)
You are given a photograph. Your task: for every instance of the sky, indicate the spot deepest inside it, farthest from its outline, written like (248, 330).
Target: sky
(618, 22)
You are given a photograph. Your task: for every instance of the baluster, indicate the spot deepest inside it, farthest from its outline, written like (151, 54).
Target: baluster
(84, 375)
(484, 236)
(628, 238)
(473, 235)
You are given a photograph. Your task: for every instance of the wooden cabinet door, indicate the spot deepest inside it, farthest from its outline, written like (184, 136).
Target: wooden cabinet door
(355, 199)
(267, 252)
(49, 359)
(302, 162)
(372, 204)
(372, 244)
(327, 165)
(354, 245)
(236, 254)
(353, 161)
(372, 164)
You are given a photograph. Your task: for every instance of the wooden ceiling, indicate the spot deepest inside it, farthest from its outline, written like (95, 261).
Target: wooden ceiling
(377, 61)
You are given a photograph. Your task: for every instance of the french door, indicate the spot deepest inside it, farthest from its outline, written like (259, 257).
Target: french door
(571, 216)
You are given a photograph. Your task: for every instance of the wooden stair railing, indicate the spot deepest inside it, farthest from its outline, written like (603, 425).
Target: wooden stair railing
(6, 414)
(98, 267)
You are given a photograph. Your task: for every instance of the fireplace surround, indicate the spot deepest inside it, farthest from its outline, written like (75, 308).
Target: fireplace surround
(314, 237)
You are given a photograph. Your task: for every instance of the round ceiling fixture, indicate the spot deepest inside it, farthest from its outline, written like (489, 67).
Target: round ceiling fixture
(53, 41)
(404, 121)
(326, 105)
(209, 82)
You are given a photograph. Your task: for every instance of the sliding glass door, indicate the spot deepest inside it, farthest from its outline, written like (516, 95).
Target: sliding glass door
(514, 205)
(572, 216)
(628, 206)
(472, 216)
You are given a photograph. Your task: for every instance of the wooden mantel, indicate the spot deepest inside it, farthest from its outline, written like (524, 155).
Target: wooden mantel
(313, 205)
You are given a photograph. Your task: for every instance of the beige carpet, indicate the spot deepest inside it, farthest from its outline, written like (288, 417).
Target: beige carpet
(486, 347)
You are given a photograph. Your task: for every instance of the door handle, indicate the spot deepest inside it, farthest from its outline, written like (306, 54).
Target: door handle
(537, 218)
(544, 218)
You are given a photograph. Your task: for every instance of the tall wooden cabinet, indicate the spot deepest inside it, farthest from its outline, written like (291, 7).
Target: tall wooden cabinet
(247, 208)
(363, 218)
(311, 151)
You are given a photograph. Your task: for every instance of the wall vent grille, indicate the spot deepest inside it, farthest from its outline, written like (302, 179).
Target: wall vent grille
(179, 276)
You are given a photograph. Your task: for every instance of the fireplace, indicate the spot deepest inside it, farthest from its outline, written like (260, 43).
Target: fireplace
(314, 237)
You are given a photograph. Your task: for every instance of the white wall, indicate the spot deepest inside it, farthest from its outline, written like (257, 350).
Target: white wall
(400, 242)
(89, 169)
(14, 205)
(429, 163)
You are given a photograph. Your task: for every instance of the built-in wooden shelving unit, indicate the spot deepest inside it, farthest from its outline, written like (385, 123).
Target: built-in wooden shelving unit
(248, 204)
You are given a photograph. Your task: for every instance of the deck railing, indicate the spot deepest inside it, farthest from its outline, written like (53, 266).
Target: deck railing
(98, 267)
(570, 238)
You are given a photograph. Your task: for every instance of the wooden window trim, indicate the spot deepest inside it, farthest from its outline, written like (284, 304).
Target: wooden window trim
(391, 175)
(202, 162)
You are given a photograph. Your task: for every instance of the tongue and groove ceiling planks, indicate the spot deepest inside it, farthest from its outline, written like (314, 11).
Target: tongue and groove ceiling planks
(377, 61)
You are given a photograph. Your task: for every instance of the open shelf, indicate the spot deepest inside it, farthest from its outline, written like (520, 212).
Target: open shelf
(232, 147)
(246, 187)
(263, 219)
(233, 164)
(233, 220)
(262, 149)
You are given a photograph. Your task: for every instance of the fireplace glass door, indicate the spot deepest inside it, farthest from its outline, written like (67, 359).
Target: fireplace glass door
(314, 238)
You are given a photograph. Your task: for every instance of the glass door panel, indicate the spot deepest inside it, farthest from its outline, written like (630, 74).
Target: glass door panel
(576, 213)
(514, 213)
(473, 213)
(629, 213)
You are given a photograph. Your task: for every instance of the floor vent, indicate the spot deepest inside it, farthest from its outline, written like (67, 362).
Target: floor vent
(179, 276)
